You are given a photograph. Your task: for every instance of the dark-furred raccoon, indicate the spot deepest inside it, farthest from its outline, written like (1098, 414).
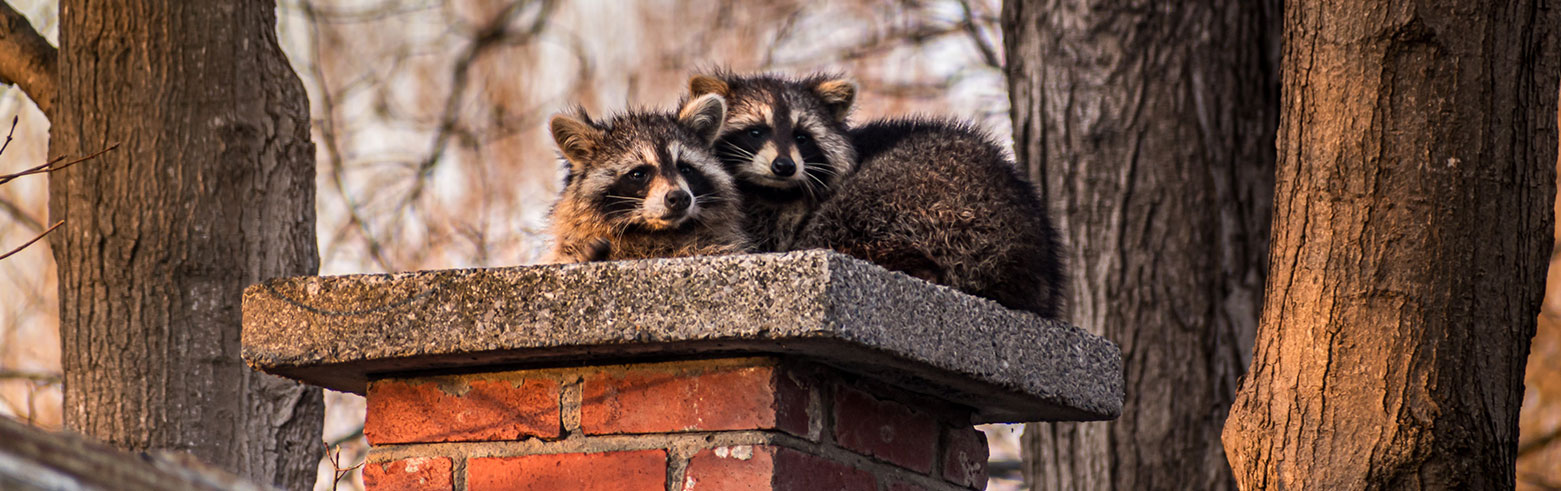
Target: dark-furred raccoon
(785, 143)
(941, 201)
(645, 184)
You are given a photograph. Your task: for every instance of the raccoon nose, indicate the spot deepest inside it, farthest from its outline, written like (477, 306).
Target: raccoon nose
(783, 167)
(679, 200)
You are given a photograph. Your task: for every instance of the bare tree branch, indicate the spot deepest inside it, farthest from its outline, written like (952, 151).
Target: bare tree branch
(973, 29)
(495, 33)
(39, 377)
(6, 205)
(51, 167)
(26, 58)
(35, 239)
(1539, 443)
(329, 137)
(20, 216)
(362, 14)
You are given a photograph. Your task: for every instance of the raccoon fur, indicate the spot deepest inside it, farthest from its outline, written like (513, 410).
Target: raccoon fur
(643, 185)
(786, 145)
(940, 200)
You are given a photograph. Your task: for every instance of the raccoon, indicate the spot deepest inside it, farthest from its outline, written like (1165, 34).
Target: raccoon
(785, 143)
(939, 200)
(645, 184)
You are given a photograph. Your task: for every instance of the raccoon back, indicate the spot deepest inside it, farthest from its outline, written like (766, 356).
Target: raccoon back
(939, 200)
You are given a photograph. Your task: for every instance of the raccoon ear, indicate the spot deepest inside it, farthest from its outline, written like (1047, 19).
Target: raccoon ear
(705, 84)
(576, 139)
(705, 115)
(838, 94)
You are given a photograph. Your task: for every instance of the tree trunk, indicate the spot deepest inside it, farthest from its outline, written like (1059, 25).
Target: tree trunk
(1150, 126)
(1411, 231)
(211, 189)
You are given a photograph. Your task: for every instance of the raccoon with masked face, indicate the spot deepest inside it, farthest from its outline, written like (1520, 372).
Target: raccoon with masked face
(785, 144)
(643, 185)
(935, 199)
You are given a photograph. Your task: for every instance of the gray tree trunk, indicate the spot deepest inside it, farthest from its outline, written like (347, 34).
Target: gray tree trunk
(1150, 128)
(1412, 226)
(211, 189)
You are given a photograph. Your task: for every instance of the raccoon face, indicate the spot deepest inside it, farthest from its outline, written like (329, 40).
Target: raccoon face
(784, 135)
(645, 172)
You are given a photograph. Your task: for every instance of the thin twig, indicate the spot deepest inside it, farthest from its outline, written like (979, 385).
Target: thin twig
(348, 437)
(14, 120)
(340, 15)
(333, 455)
(50, 167)
(988, 53)
(35, 239)
(915, 35)
(494, 34)
(329, 135)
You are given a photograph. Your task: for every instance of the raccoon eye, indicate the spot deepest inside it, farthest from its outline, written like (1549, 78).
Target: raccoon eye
(638, 175)
(802, 138)
(756, 132)
(685, 169)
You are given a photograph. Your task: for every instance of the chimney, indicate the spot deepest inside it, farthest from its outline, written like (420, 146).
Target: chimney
(798, 371)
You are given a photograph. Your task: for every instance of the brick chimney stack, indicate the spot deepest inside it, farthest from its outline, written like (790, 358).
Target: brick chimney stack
(798, 371)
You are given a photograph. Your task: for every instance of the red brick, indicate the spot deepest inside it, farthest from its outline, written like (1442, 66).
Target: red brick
(414, 474)
(965, 457)
(793, 392)
(663, 399)
(905, 486)
(611, 471)
(797, 471)
(885, 429)
(737, 468)
(765, 467)
(461, 410)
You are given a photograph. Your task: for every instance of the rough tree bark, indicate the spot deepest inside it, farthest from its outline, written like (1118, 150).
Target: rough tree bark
(1411, 230)
(1150, 127)
(211, 189)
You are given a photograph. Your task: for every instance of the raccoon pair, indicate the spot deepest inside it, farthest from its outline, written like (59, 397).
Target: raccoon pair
(769, 164)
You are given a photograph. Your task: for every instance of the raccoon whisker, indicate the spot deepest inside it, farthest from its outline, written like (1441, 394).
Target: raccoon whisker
(734, 150)
(821, 168)
(823, 188)
(818, 181)
(733, 146)
(734, 156)
(814, 177)
(807, 188)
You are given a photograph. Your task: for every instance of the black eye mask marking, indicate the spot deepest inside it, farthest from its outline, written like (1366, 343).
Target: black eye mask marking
(698, 184)
(627, 192)
(738, 148)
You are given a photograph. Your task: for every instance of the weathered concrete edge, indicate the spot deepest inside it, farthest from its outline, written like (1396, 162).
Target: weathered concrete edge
(837, 328)
(1004, 343)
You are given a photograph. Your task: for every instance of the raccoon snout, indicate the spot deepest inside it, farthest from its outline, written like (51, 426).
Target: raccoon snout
(783, 167)
(678, 201)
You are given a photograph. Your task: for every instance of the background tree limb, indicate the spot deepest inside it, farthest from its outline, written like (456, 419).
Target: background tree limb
(26, 58)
